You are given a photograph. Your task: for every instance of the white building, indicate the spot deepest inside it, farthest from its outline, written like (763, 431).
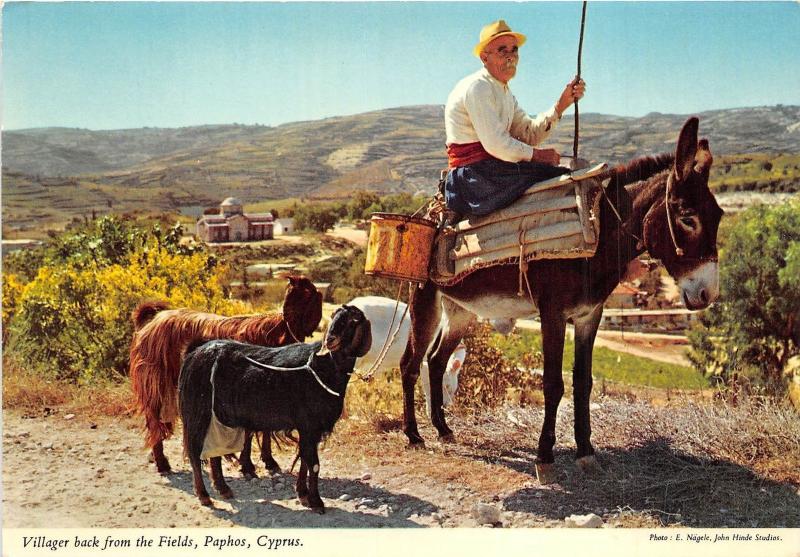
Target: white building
(283, 226)
(233, 225)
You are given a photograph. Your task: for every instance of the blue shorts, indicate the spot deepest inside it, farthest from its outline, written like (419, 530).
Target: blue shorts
(488, 185)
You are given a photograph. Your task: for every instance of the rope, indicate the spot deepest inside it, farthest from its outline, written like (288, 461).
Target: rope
(577, 78)
(678, 250)
(523, 269)
(307, 366)
(388, 343)
(278, 324)
(291, 332)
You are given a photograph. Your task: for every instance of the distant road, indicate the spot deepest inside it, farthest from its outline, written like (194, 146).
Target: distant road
(670, 349)
(348, 232)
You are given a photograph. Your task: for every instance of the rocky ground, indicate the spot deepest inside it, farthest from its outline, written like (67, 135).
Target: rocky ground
(662, 468)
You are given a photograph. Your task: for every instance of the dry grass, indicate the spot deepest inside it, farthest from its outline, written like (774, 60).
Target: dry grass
(33, 393)
(692, 464)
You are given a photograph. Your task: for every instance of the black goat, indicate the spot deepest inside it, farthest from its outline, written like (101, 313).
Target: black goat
(297, 387)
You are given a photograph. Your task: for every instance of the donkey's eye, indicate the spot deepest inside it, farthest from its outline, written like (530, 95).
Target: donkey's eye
(688, 221)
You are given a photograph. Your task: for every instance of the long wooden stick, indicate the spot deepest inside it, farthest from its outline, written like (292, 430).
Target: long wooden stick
(577, 78)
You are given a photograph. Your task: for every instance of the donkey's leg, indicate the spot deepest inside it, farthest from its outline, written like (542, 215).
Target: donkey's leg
(553, 329)
(454, 323)
(266, 453)
(245, 460)
(425, 308)
(218, 479)
(585, 333)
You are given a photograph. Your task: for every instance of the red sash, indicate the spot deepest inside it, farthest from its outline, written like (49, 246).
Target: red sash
(462, 154)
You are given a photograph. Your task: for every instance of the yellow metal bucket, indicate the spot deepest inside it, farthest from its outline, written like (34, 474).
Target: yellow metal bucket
(399, 247)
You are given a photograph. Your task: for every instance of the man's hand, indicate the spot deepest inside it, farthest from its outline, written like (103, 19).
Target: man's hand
(546, 156)
(574, 91)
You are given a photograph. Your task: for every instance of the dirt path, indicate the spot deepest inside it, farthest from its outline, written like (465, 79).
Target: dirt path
(62, 471)
(358, 237)
(80, 473)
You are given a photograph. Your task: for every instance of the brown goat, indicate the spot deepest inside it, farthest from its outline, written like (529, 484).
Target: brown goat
(163, 335)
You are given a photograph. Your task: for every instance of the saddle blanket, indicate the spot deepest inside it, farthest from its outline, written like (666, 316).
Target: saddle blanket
(554, 219)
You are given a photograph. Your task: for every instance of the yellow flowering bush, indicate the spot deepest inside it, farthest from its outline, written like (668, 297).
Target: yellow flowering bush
(73, 320)
(12, 291)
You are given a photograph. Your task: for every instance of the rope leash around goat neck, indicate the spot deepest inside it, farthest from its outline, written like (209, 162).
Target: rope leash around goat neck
(307, 366)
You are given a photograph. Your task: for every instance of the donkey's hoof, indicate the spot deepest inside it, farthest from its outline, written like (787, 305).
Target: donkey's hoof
(588, 464)
(545, 473)
(249, 475)
(447, 438)
(205, 501)
(303, 500)
(318, 510)
(416, 445)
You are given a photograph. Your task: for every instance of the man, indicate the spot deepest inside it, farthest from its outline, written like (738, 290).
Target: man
(490, 139)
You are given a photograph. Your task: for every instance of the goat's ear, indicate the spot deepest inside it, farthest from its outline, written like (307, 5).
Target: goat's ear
(362, 341)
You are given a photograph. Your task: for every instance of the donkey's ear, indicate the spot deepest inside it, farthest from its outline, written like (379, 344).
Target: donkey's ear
(293, 280)
(704, 158)
(687, 148)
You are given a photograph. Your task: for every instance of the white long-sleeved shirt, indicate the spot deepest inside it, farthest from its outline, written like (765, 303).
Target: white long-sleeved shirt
(481, 108)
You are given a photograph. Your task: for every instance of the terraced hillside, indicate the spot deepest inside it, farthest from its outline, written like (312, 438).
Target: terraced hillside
(400, 149)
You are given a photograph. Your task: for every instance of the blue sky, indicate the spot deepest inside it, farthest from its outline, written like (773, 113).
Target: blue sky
(128, 64)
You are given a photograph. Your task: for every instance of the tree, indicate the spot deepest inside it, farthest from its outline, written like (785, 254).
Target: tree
(315, 217)
(755, 327)
(361, 202)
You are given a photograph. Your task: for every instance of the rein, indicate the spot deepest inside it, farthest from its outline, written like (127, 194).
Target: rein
(306, 366)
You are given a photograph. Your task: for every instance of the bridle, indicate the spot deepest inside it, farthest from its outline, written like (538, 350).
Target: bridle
(678, 250)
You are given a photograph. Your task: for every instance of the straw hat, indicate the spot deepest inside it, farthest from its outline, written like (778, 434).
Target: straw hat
(494, 30)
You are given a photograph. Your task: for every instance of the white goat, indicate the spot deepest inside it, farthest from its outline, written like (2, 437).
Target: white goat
(379, 311)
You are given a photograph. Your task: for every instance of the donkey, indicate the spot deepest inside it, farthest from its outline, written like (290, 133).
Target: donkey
(660, 204)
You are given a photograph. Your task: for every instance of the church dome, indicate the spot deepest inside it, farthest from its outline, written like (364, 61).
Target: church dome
(231, 206)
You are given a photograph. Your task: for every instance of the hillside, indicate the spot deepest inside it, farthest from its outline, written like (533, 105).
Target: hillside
(52, 175)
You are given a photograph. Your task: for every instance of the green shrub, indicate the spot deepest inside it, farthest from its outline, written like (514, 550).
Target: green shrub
(72, 321)
(753, 330)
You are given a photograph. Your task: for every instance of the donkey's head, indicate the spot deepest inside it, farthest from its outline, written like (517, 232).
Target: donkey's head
(681, 227)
